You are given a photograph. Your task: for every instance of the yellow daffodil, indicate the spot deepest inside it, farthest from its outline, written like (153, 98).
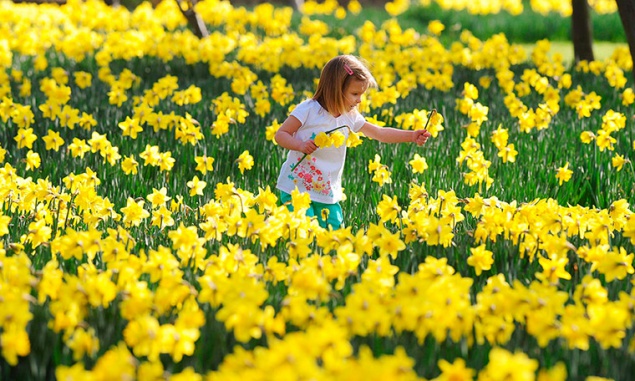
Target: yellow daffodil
(245, 161)
(505, 364)
(396, 7)
(354, 6)
(470, 91)
(388, 209)
(418, 164)
(617, 264)
(68, 117)
(605, 141)
(628, 97)
(587, 137)
(134, 213)
(382, 176)
(499, 137)
(481, 259)
(25, 138)
(53, 140)
(83, 342)
(508, 153)
(129, 165)
(390, 244)
(33, 160)
(299, 200)
(270, 131)
(188, 130)
(455, 371)
(158, 197)
(165, 161)
(83, 79)
(375, 164)
(162, 217)
(618, 162)
(337, 139)
(86, 121)
(322, 140)
(221, 125)
(564, 174)
(130, 127)
(435, 27)
(553, 269)
(354, 139)
(196, 186)
(15, 343)
(204, 164)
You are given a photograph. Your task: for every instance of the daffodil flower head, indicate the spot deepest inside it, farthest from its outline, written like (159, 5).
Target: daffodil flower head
(245, 161)
(322, 140)
(354, 139)
(382, 176)
(435, 27)
(587, 137)
(481, 259)
(196, 186)
(564, 174)
(605, 141)
(618, 161)
(337, 139)
(325, 214)
(300, 201)
(628, 97)
(375, 164)
(418, 164)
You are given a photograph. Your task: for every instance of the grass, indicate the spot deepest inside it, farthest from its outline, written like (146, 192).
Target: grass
(601, 49)
(527, 28)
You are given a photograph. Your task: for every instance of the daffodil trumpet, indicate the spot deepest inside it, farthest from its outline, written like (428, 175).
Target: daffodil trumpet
(326, 133)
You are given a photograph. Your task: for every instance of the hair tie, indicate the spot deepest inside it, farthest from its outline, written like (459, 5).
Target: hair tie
(348, 69)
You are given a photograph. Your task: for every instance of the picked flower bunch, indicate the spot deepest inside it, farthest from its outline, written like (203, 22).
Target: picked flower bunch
(330, 138)
(324, 139)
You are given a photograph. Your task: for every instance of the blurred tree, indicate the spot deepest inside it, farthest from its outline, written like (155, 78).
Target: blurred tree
(626, 8)
(194, 20)
(582, 33)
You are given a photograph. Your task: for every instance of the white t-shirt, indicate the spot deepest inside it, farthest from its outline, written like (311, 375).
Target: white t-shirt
(318, 174)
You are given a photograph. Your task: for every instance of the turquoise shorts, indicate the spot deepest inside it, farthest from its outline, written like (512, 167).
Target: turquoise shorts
(326, 214)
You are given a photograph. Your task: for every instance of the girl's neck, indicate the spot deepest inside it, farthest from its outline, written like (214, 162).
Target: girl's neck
(325, 109)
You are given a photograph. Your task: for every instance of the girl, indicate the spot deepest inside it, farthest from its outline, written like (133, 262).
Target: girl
(318, 172)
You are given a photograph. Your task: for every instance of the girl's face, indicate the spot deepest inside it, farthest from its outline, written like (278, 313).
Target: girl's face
(353, 93)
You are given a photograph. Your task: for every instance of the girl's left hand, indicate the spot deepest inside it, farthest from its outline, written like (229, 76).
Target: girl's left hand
(420, 136)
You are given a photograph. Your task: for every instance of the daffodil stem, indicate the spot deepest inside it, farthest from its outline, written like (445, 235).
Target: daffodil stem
(434, 111)
(630, 164)
(293, 167)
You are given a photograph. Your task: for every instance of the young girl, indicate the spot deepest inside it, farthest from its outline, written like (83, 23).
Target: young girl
(318, 171)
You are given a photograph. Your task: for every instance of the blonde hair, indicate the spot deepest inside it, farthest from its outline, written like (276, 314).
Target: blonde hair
(335, 76)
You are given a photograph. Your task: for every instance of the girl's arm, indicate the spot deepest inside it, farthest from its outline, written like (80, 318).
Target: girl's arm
(285, 137)
(394, 135)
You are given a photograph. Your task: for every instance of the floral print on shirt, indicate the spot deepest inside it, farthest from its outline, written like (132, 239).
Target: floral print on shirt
(306, 175)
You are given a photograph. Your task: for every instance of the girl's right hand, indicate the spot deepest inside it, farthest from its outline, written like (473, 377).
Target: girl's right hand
(307, 147)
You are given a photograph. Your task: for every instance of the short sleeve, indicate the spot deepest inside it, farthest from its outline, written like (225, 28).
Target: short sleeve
(301, 111)
(357, 121)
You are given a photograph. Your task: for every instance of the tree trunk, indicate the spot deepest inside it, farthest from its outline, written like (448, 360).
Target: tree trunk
(581, 31)
(627, 14)
(196, 24)
(297, 4)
